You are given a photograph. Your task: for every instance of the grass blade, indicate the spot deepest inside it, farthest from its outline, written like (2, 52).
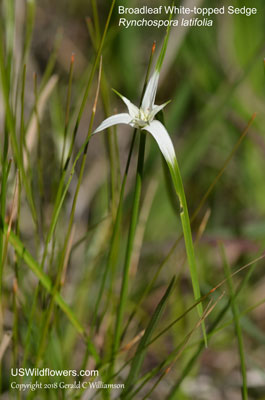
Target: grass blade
(141, 350)
(236, 323)
(185, 220)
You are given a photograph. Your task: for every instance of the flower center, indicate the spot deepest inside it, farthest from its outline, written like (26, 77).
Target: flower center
(144, 115)
(142, 119)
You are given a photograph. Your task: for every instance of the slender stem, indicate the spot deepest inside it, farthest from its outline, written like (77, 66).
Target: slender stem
(39, 159)
(15, 324)
(85, 96)
(22, 124)
(113, 155)
(134, 219)
(29, 25)
(6, 168)
(96, 19)
(111, 137)
(236, 316)
(68, 99)
(185, 220)
(11, 124)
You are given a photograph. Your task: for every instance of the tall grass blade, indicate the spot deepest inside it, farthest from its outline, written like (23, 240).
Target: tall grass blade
(236, 316)
(141, 349)
(184, 215)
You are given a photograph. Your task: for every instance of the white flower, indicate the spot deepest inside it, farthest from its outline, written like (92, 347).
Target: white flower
(143, 118)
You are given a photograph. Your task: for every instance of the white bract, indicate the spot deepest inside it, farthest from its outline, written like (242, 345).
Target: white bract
(143, 118)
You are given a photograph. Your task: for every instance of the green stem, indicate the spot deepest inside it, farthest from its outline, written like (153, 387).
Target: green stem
(68, 99)
(6, 168)
(185, 221)
(29, 26)
(85, 96)
(96, 19)
(129, 249)
(236, 323)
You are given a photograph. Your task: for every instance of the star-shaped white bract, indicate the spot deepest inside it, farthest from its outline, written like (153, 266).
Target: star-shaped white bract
(143, 118)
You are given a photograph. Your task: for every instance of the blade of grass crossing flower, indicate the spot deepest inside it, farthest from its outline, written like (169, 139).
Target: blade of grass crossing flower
(141, 350)
(236, 322)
